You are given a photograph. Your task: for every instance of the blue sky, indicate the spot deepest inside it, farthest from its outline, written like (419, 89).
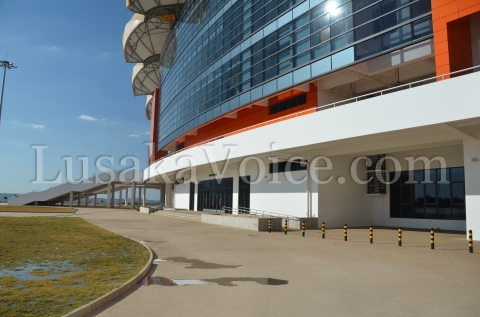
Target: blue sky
(70, 63)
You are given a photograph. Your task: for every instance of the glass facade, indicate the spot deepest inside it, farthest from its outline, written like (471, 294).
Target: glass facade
(433, 194)
(232, 53)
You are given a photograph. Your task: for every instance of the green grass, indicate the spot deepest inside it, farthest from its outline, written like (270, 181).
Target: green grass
(36, 209)
(97, 261)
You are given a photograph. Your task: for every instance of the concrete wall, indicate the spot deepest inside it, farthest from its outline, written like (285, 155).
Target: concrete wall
(248, 223)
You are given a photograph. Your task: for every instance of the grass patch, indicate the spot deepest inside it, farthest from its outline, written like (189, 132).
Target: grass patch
(50, 266)
(36, 209)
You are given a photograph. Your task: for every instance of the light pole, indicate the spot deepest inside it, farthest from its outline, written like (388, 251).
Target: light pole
(6, 65)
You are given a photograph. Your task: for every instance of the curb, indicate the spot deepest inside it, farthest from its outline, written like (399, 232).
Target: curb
(105, 299)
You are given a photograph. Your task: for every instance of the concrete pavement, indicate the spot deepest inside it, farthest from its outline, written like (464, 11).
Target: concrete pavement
(325, 277)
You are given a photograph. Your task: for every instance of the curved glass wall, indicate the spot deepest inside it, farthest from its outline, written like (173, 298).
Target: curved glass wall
(246, 50)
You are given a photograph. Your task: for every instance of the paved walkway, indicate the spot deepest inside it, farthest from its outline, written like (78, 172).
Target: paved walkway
(325, 277)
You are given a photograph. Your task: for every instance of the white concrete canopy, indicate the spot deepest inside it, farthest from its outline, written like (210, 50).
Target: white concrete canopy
(148, 107)
(145, 78)
(145, 6)
(144, 40)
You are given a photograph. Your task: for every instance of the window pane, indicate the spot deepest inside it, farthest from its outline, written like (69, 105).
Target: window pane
(302, 59)
(341, 27)
(396, 37)
(360, 4)
(367, 30)
(285, 67)
(444, 201)
(286, 41)
(301, 47)
(394, 18)
(285, 54)
(458, 193)
(430, 194)
(302, 33)
(419, 193)
(458, 212)
(406, 211)
(341, 12)
(422, 27)
(301, 20)
(395, 201)
(421, 7)
(320, 23)
(366, 15)
(321, 50)
(368, 48)
(457, 174)
(431, 212)
(406, 194)
(342, 41)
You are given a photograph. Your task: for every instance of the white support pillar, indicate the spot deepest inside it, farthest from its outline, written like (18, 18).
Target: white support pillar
(133, 196)
(126, 197)
(120, 198)
(109, 195)
(144, 194)
(113, 196)
(95, 200)
(471, 158)
(195, 199)
(87, 197)
(70, 202)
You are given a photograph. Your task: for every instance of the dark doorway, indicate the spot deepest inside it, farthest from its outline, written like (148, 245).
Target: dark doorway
(192, 197)
(244, 192)
(215, 194)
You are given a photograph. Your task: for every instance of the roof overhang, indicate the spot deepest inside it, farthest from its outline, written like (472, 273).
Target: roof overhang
(148, 107)
(152, 7)
(142, 40)
(146, 78)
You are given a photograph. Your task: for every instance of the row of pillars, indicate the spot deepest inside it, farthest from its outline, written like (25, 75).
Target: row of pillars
(111, 196)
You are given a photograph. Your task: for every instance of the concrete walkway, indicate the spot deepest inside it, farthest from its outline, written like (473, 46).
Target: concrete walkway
(325, 277)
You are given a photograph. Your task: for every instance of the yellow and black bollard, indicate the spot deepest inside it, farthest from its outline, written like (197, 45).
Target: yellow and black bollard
(470, 241)
(345, 232)
(400, 236)
(371, 234)
(270, 225)
(285, 227)
(432, 239)
(303, 229)
(323, 230)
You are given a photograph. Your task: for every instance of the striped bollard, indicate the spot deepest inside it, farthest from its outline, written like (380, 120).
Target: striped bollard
(285, 227)
(400, 236)
(470, 241)
(345, 232)
(432, 239)
(371, 234)
(269, 225)
(303, 229)
(323, 230)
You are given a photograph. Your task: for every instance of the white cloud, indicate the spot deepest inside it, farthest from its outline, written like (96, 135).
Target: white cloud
(147, 133)
(87, 118)
(134, 135)
(38, 126)
(110, 122)
(52, 49)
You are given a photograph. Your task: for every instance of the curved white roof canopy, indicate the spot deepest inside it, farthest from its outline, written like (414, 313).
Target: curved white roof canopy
(151, 7)
(143, 40)
(145, 78)
(148, 107)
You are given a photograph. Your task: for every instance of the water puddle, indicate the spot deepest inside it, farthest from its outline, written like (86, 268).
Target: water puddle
(223, 281)
(199, 264)
(42, 271)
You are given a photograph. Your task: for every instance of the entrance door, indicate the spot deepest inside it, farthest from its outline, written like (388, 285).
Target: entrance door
(214, 194)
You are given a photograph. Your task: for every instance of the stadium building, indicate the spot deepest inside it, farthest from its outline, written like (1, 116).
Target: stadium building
(361, 112)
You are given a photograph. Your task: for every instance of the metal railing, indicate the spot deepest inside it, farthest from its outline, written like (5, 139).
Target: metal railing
(328, 106)
(255, 212)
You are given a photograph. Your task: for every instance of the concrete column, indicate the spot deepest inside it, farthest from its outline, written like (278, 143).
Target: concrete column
(120, 198)
(126, 197)
(236, 189)
(109, 195)
(139, 195)
(113, 196)
(132, 200)
(168, 195)
(95, 200)
(144, 194)
(195, 199)
(87, 197)
(162, 194)
(70, 202)
(471, 158)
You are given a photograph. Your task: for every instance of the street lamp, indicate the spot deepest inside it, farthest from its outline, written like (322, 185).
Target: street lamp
(6, 65)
